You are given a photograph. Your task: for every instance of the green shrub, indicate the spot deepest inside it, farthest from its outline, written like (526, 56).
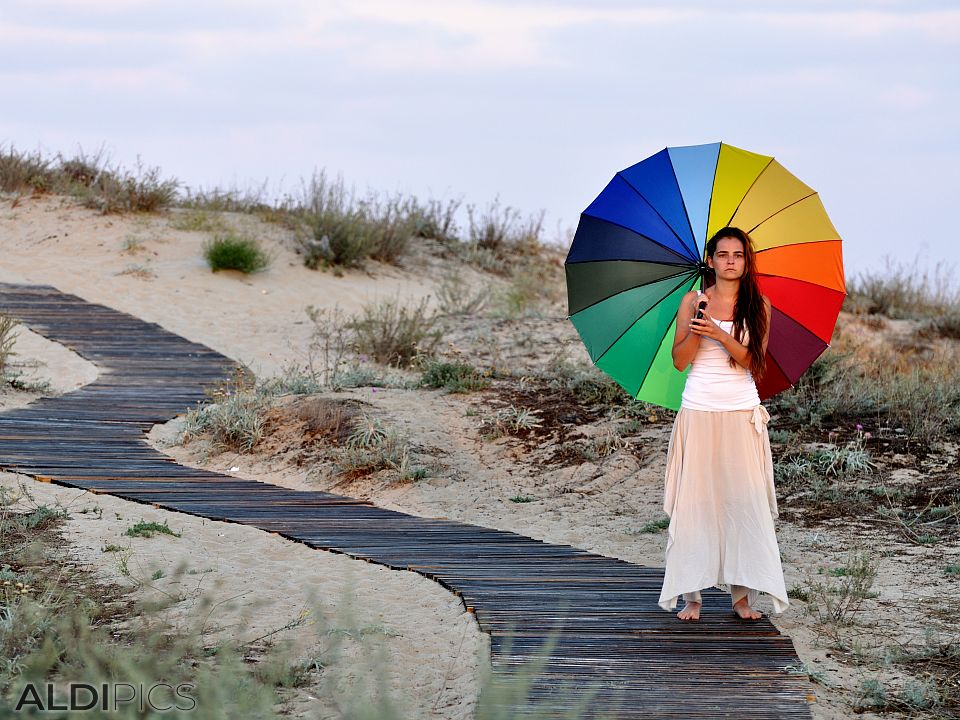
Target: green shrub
(235, 423)
(8, 337)
(231, 252)
(149, 529)
(371, 448)
(455, 377)
(339, 232)
(656, 526)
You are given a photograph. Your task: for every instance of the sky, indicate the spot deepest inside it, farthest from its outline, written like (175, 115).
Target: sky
(538, 103)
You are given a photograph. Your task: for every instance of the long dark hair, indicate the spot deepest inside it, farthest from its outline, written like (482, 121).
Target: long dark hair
(749, 310)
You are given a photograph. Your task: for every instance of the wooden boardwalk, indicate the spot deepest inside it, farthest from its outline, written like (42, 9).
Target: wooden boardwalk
(615, 650)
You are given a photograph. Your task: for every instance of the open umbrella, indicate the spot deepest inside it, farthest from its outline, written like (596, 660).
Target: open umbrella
(640, 246)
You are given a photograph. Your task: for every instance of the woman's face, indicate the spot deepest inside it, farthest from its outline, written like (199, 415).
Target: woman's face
(728, 259)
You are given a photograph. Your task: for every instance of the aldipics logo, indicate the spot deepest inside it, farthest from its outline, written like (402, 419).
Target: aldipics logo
(105, 697)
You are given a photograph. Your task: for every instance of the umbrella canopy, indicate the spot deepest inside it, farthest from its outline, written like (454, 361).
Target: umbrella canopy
(640, 246)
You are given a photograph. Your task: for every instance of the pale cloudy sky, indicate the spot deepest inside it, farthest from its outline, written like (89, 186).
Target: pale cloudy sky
(537, 101)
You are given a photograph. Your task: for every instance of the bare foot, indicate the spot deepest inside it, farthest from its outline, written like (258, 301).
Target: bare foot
(743, 609)
(690, 612)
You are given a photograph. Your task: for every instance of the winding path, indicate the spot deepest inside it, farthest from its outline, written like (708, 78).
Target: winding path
(613, 651)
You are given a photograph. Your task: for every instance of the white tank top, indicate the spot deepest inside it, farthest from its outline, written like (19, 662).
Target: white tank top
(712, 384)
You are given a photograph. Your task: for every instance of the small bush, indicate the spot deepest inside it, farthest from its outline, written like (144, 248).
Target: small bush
(119, 191)
(395, 334)
(455, 297)
(8, 337)
(850, 459)
(605, 444)
(367, 432)
(149, 529)
(656, 526)
(20, 171)
(454, 377)
(502, 230)
(231, 252)
(522, 499)
(292, 380)
(41, 516)
(590, 386)
(510, 420)
(138, 270)
(435, 220)
(339, 232)
(235, 423)
(389, 229)
(372, 448)
(835, 605)
(330, 342)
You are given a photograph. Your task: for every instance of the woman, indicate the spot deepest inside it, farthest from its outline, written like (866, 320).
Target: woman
(719, 490)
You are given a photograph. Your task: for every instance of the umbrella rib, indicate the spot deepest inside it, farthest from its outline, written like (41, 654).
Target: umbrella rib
(600, 356)
(686, 213)
(686, 260)
(633, 187)
(740, 202)
(785, 207)
(710, 204)
(632, 287)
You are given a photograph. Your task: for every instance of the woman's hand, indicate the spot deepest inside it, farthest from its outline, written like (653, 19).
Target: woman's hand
(705, 327)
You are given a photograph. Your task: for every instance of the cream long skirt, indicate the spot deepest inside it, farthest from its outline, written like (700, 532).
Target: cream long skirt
(720, 497)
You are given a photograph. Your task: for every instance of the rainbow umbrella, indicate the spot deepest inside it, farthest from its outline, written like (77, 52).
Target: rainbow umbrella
(640, 246)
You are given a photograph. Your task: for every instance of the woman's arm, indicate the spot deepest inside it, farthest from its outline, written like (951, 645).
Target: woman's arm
(766, 335)
(685, 342)
(738, 351)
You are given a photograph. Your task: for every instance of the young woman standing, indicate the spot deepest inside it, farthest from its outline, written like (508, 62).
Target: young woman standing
(719, 489)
